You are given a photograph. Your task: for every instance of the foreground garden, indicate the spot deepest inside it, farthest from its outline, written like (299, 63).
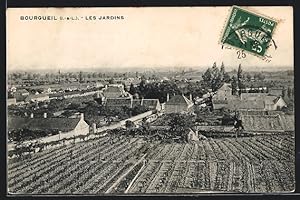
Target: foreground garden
(126, 164)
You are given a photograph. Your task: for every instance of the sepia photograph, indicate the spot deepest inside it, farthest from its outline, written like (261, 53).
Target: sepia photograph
(150, 100)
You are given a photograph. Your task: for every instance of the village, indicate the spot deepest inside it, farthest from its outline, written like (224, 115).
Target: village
(151, 133)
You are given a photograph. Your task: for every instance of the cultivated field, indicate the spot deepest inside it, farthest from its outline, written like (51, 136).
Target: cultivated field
(118, 165)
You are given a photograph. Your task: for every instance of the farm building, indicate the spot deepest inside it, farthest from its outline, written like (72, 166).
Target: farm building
(178, 104)
(37, 97)
(11, 101)
(67, 126)
(21, 95)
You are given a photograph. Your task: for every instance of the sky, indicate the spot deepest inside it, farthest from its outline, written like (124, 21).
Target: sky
(147, 37)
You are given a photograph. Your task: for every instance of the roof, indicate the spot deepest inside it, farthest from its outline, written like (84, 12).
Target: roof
(22, 91)
(271, 99)
(118, 101)
(219, 101)
(34, 96)
(179, 99)
(253, 96)
(225, 86)
(113, 89)
(150, 102)
(246, 104)
(61, 124)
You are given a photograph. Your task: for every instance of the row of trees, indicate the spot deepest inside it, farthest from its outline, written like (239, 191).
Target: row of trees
(214, 77)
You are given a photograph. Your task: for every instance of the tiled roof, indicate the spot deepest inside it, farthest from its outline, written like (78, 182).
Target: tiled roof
(253, 96)
(22, 91)
(225, 86)
(113, 89)
(61, 124)
(246, 104)
(35, 96)
(179, 99)
(118, 102)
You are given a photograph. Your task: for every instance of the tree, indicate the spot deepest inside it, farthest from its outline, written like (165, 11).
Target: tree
(111, 81)
(129, 124)
(180, 123)
(283, 92)
(248, 76)
(213, 78)
(234, 85)
(132, 89)
(239, 75)
(80, 76)
(289, 92)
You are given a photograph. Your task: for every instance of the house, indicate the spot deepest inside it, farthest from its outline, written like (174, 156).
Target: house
(274, 103)
(37, 98)
(224, 93)
(178, 104)
(47, 90)
(11, 101)
(271, 102)
(21, 95)
(192, 136)
(67, 127)
(114, 92)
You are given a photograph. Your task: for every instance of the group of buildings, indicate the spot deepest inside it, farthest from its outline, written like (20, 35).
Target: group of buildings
(115, 95)
(224, 98)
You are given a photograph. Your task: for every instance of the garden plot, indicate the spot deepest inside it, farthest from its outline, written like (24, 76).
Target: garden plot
(262, 123)
(115, 165)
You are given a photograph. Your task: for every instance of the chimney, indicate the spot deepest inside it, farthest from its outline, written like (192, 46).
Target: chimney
(142, 101)
(168, 97)
(45, 115)
(191, 97)
(31, 115)
(81, 116)
(94, 128)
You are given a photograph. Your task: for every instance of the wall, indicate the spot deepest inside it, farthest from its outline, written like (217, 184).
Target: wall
(123, 122)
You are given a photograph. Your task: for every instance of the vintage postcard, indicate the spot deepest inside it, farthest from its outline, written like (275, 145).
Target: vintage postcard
(150, 100)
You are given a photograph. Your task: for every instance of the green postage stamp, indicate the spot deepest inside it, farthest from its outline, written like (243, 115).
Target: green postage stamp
(248, 31)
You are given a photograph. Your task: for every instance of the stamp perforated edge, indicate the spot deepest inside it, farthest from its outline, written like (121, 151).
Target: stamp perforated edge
(252, 11)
